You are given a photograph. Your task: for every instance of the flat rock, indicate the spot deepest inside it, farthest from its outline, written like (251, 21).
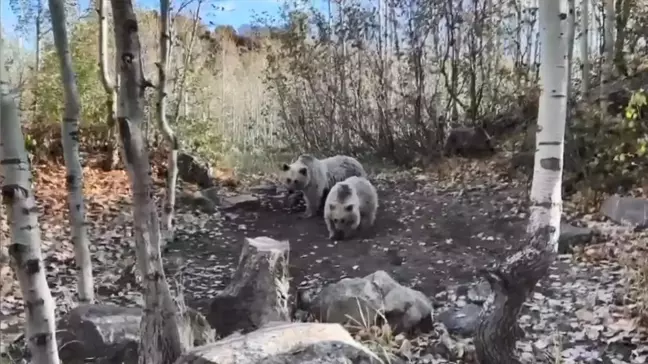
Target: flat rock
(240, 201)
(626, 211)
(571, 236)
(287, 343)
(362, 299)
(461, 321)
(266, 188)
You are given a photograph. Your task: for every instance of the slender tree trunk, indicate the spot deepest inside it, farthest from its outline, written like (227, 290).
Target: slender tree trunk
(110, 86)
(160, 341)
(515, 279)
(25, 250)
(169, 136)
(585, 46)
(70, 141)
(608, 65)
(623, 13)
(571, 33)
(182, 97)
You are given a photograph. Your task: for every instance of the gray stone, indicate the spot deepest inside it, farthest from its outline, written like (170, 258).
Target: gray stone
(240, 201)
(197, 200)
(193, 170)
(266, 188)
(110, 333)
(626, 210)
(571, 236)
(462, 321)
(366, 299)
(288, 343)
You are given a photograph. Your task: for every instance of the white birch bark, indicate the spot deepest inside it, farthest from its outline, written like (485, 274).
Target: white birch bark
(608, 52)
(160, 341)
(165, 128)
(546, 198)
(584, 46)
(25, 247)
(515, 279)
(70, 141)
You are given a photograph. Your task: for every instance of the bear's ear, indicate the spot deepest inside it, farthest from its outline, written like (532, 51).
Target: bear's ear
(303, 171)
(285, 167)
(348, 208)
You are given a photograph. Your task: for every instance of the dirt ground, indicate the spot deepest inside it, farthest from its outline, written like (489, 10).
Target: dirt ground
(425, 239)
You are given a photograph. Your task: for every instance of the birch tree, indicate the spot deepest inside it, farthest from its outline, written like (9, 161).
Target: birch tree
(584, 43)
(571, 34)
(109, 83)
(25, 247)
(70, 141)
(169, 136)
(608, 51)
(160, 340)
(514, 280)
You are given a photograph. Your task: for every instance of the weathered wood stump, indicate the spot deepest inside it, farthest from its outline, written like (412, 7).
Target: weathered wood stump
(258, 292)
(289, 343)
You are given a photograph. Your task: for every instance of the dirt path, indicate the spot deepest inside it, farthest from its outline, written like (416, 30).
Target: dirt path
(426, 239)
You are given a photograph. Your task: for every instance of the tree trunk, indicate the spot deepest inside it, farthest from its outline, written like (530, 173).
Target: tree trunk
(608, 53)
(169, 136)
(160, 342)
(110, 86)
(514, 280)
(182, 96)
(623, 13)
(571, 33)
(585, 46)
(25, 250)
(70, 141)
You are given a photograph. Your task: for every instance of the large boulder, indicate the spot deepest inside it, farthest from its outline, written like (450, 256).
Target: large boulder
(626, 211)
(286, 343)
(366, 300)
(110, 334)
(258, 292)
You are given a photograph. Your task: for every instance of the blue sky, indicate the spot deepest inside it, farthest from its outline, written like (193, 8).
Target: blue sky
(231, 12)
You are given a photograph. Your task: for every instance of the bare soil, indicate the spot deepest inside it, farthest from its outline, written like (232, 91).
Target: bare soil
(425, 238)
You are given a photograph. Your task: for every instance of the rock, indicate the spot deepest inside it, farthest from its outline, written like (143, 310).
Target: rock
(626, 210)
(571, 236)
(462, 321)
(364, 299)
(110, 333)
(240, 201)
(193, 170)
(197, 200)
(468, 141)
(258, 292)
(266, 188)
(289, 343)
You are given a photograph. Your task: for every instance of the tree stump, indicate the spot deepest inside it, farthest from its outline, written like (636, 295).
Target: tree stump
(258, 292)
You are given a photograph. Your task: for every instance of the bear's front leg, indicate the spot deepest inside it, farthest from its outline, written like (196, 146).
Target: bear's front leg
(312, 204)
